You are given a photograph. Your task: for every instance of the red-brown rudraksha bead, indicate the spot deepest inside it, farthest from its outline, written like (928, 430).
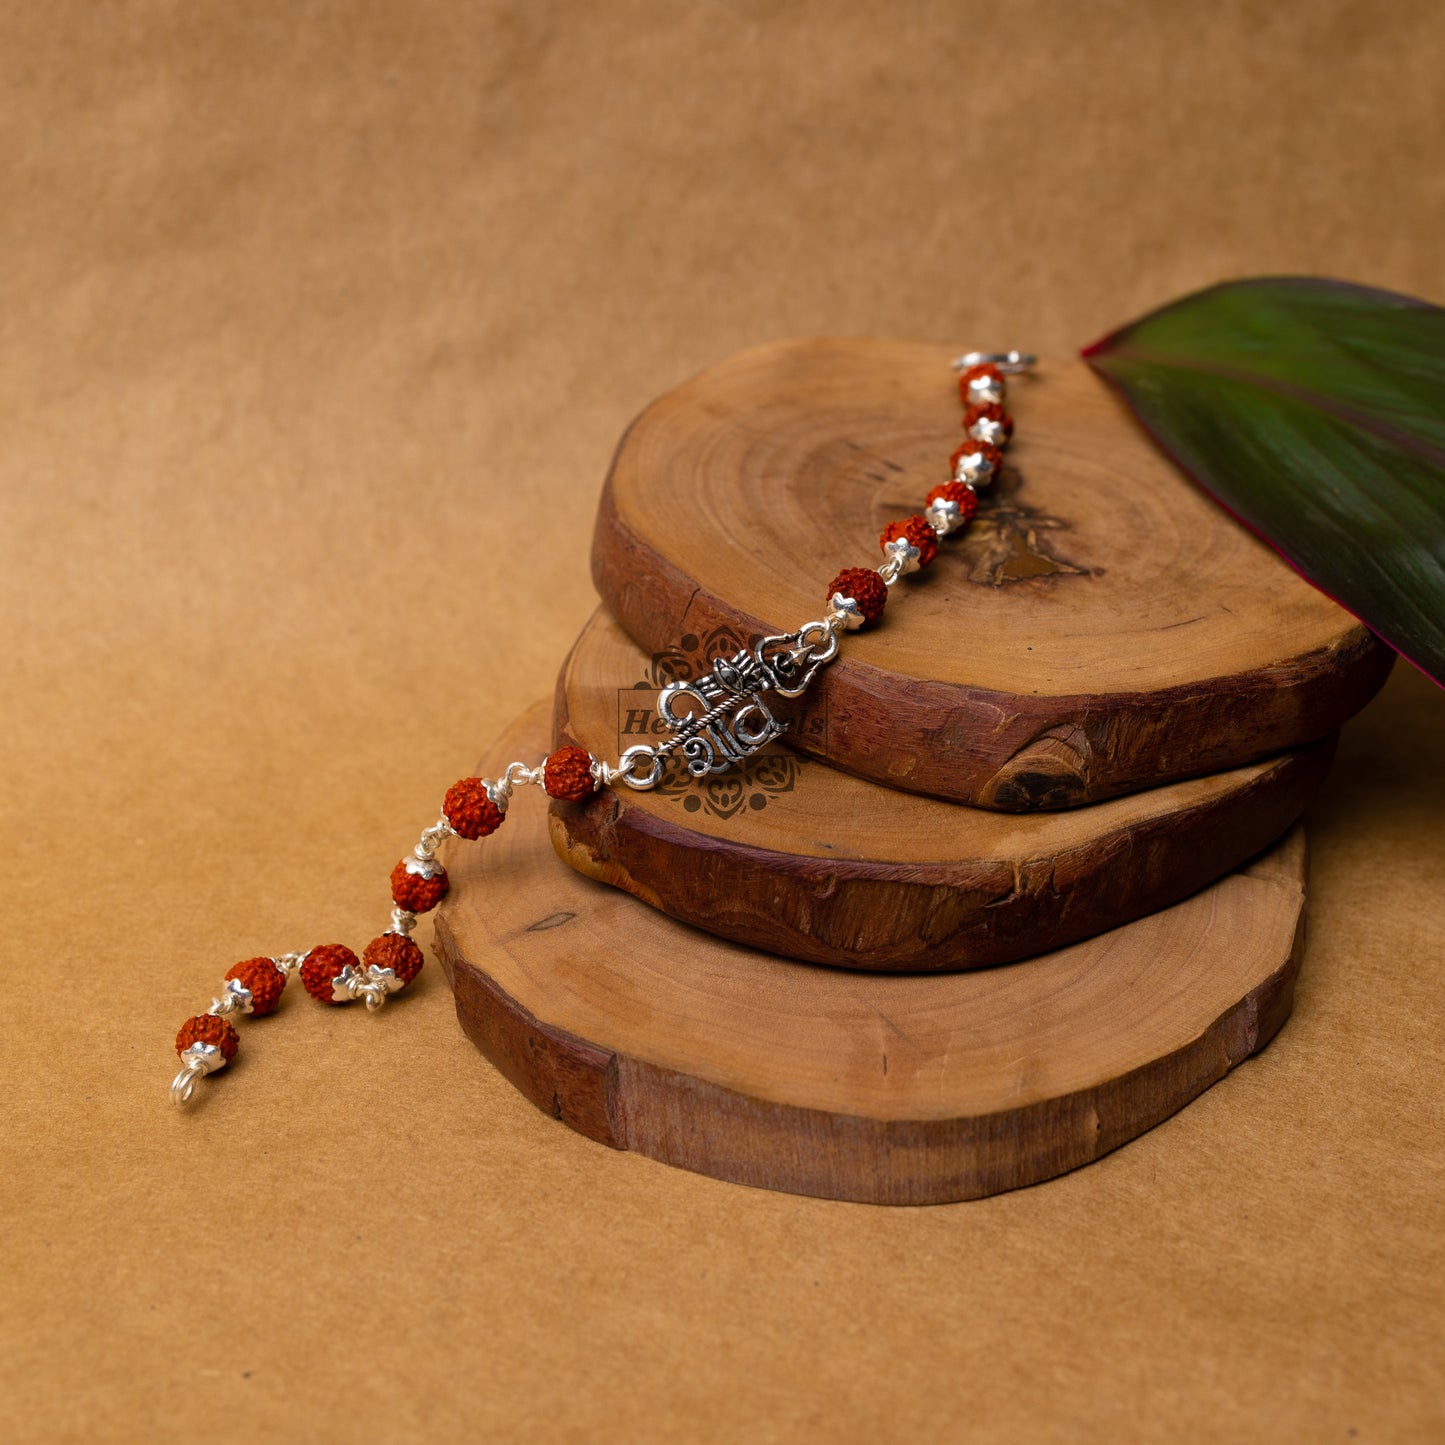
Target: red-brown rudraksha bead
(396, 952)
(415, 893)
(469, 810)
(989, 411)
(865, 587)
(264, 980)
(322, 965)
(209, 1029)
(567, 774)
(990, 453)
(984, 369)
(919, 533)
(962, 495)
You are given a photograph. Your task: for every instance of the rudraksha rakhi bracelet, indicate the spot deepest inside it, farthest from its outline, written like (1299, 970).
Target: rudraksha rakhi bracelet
(714, 721)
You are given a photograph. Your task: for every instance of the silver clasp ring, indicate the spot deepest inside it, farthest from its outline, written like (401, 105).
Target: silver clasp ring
(817, 642)
(184, 1083)
(628, 763)
(1011, 363)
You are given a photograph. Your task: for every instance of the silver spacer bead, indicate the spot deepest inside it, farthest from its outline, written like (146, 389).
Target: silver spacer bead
(379, 983)
(345, 984)
(985, 429)
(984, 391)
(975, 469)
(845, 611)
(236, 998)
(402, 922)
(371, 984)
(902, 559)
(944, 516)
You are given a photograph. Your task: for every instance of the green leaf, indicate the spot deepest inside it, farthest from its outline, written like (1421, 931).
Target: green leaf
(1315, 412)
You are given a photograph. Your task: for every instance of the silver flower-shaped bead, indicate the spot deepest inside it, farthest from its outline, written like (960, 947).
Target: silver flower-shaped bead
(903, 554)
(974, 468)
(986, 429)
(847, 611)
(943, 516)
(984, 391)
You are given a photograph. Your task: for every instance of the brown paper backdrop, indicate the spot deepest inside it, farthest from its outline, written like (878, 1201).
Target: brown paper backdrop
(319, 323)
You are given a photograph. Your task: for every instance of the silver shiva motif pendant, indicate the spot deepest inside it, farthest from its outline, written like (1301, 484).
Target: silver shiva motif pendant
(721, 718)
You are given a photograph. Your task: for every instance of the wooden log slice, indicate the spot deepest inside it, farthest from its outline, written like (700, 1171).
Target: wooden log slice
(1102, 627)
(786, 854)
(645, 1034)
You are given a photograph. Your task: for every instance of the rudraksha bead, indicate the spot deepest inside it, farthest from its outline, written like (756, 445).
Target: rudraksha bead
(414, 892)
(919, 533)
(984, 369)
(991, 455)
(567, 774)
(263, 980)
(322, 965)
(396, 952)
(962, 496)
(209, 1029)
(865, 587)
(470, 810)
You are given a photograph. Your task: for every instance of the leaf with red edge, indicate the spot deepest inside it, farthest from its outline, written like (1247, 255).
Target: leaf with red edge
(1314, 411)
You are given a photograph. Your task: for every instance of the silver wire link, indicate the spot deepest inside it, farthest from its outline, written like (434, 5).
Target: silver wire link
(197, 1061)
(516, 775)
(235, 998)
(520, 775)
(902, 559)
(431, 839)
(288, 963)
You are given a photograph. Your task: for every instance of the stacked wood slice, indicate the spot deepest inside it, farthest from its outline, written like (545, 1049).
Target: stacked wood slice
(1025, 877)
